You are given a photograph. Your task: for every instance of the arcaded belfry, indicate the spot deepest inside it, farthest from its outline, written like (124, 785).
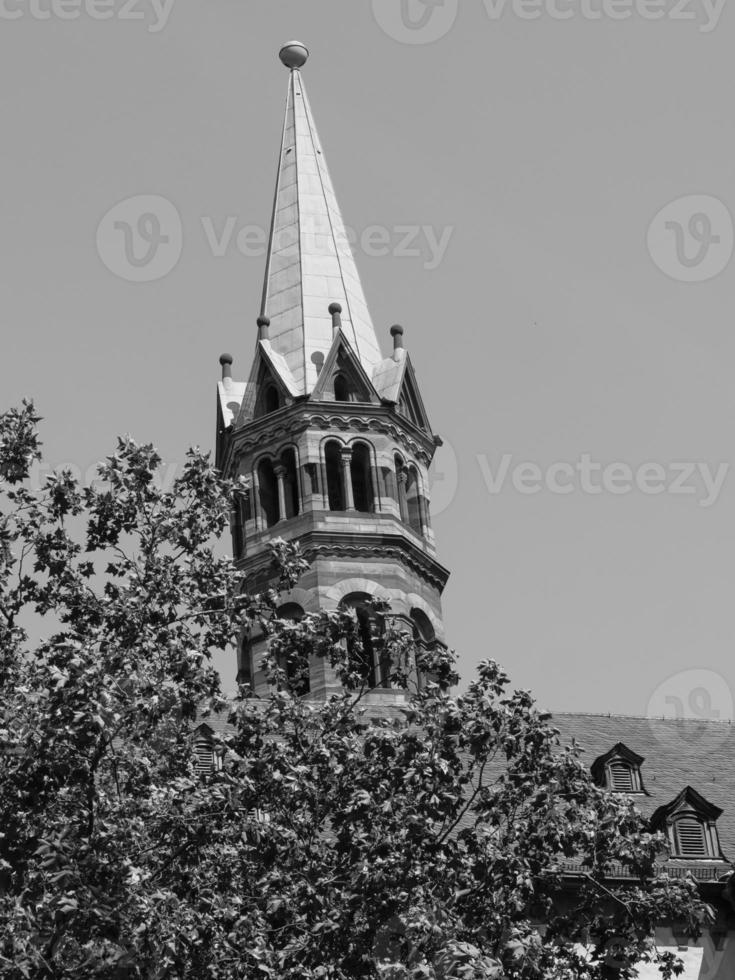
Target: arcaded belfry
(330, 437)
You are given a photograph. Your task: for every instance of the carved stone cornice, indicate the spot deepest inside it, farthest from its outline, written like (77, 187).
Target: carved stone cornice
(282, 426)
(361, 546)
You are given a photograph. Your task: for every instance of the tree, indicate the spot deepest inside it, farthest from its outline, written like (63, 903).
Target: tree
(329, 844)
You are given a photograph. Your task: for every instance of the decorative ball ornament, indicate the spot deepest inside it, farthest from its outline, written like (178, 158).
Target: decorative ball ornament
(294, 54)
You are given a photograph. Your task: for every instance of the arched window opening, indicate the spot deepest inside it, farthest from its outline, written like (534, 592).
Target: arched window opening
(244, 664)
(291, 483)
(333, 461)
(268, 492)
(291, 611)
(413, 500)
(423, 631)
(425, 638)
(373, 664)
(341, 388)
(362, 482)
(271, 399)
(291, 661)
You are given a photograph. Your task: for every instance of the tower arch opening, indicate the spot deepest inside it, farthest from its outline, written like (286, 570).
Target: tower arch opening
(333, 464)
(291, 661)
(271, 399)
(372, 661)
(268, 492)
(291, 483)
(342, 391)
(363, 492)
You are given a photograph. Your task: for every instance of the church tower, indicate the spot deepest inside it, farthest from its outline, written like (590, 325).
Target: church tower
(332, 439)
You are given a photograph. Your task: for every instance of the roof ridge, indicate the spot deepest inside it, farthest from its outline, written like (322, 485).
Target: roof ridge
(621, 715)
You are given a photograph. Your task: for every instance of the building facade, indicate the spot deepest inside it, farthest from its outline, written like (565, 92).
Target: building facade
(332, 445)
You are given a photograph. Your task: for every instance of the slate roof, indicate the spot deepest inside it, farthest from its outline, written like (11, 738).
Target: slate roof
(676, 754)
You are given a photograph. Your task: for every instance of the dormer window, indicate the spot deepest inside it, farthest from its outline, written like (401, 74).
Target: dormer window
(206, 760)
(689, 838)
(621, 777)
(619, 770)
(690, 823)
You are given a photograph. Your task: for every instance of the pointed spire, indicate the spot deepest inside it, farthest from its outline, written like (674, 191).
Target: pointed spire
(309, 260)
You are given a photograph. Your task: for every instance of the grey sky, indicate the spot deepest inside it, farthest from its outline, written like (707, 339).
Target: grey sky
(541, 150)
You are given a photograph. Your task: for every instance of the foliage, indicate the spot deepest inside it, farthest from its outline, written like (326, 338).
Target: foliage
(330, 843)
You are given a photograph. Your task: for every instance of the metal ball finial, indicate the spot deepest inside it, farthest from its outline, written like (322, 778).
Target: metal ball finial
(226, 362)
(294, 54)
(396, 332)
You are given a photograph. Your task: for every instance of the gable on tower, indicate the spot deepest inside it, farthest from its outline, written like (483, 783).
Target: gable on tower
(271, 385)
(342, 377)
(395, 381)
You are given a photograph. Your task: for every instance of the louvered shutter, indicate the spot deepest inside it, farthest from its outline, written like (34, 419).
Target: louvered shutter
(621, 777)
(690, 838)
(203, 757)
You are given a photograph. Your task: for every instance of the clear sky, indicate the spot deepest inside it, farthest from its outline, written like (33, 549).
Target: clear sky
(527, 159)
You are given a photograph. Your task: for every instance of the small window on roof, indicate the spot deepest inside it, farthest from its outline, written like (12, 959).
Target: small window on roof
(690, 822)
(689, 838)
(621, 778)
(619, 770)
(206, 760)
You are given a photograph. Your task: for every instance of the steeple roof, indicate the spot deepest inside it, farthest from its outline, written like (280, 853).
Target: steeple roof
(310, 263)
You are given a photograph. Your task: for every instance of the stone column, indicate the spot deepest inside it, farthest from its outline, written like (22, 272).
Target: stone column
(346, 457)
(280, 470)
(324, 484)
(375, 486)
(402, 480)
(423, 515)
(260, 522)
